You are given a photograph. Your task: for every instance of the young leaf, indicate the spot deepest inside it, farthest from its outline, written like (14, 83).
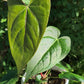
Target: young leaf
(50, 51)
(26, 25)
(64, 66)
(71, 76)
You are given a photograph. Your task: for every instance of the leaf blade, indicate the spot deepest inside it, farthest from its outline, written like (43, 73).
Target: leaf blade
(24, 30)
(71, 76)
(47, 56)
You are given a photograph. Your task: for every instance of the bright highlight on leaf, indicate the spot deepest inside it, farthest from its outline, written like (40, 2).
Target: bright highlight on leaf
(26, 26)
(50, 51)
(26, 2)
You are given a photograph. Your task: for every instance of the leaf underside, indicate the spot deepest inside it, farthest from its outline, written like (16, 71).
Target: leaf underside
(26, 25)
(50, 51)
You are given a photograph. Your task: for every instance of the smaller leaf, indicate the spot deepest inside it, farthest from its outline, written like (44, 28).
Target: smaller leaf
(71, 76)
(64, 66)
(51, 50)
(38, 78)
(3, 20)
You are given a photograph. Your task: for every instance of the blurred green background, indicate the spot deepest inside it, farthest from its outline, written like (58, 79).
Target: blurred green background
(6, 61)
(68, 16)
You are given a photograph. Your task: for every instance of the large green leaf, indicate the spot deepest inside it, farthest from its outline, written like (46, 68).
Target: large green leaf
(27, 20)
(71, 76)
(50, 51)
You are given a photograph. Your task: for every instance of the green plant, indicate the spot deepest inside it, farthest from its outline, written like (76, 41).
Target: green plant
(50, 51)
(26, 27)
(68, 73)
(31, 43)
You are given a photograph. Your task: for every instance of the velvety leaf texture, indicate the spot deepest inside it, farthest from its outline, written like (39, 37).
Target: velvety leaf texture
(27, 20)
(50, 51)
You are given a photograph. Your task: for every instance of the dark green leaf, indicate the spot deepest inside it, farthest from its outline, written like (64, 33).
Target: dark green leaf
(26, 25)
(9, 78)
(3, 20)
(11, 81)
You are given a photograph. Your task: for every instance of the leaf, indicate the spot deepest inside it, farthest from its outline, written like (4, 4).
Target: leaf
(26, 2)
(74, 82)
(52, 32)
(64, 66)
(71, 76)
(50, 51)
(38, 78)
(3, 20)
(26, 25)
(9, 78)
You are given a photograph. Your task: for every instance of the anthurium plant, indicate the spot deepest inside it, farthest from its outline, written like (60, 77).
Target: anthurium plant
(34, 47)
(52, 49)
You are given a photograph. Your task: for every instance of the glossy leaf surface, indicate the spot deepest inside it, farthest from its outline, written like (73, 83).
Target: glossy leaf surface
(26, 25)
(50, 51)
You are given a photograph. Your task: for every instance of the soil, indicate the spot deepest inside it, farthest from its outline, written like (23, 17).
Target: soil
(52, 79)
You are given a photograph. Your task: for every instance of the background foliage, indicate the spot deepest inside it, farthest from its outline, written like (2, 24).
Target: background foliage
(68, 16)
(6, 60)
